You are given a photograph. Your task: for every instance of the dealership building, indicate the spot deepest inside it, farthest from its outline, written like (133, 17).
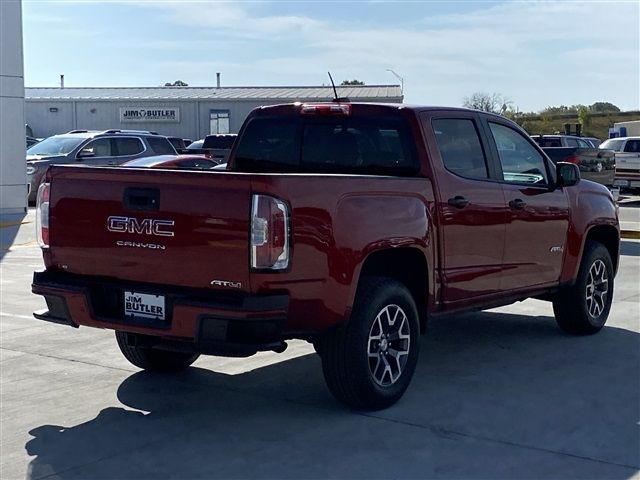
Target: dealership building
(186, 112)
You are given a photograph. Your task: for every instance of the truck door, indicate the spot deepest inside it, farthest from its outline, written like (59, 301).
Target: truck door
(538, 213)
(470, 206)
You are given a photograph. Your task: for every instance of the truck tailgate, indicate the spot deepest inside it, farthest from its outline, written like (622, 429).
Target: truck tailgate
(151, 226)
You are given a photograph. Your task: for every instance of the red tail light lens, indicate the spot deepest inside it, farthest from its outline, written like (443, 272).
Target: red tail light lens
(269, 233)
(326, 109)
(42, 215)
(573, 159)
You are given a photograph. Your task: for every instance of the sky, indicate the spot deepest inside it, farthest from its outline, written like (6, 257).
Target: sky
(536, 53)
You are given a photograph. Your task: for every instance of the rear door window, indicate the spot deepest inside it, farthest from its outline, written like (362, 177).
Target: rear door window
(101, 147)
(128, 146)
(460, 147)
(365, 145)
(161, 146)
(548, 142)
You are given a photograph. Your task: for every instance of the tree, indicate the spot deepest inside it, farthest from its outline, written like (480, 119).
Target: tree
(584, 116)
(603, 107)
(352, 82)
(561, 110)
(177, 83)
(488, 102)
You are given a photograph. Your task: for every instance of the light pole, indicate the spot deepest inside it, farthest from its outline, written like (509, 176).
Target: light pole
(399, 78)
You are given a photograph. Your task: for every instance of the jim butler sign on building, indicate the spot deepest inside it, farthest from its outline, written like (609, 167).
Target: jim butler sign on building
(149, 114)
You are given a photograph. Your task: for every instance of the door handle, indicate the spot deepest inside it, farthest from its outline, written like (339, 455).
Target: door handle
(458, 202)
(517, 204)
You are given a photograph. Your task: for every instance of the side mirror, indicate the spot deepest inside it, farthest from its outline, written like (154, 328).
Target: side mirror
(85, 154)
(568, 174)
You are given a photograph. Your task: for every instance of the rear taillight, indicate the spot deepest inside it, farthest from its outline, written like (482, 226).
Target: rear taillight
(326, 109)
(573, 159)
(269, 233)
(42, 215)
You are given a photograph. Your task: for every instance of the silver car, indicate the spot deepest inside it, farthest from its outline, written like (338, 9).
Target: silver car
(100, 148)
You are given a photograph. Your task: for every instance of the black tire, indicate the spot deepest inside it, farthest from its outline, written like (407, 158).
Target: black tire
(152, 359)
(574, 311)
(347, 366)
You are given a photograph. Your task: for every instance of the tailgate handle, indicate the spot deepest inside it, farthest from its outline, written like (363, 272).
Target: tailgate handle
(145, 199)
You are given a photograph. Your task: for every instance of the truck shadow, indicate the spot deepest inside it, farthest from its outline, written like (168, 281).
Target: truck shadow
(630, 248)
(495, 395)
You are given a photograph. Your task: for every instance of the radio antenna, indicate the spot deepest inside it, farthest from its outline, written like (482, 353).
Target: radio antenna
(335, 92)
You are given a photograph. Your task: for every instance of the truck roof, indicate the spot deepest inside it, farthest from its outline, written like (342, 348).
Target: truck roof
(391, 106)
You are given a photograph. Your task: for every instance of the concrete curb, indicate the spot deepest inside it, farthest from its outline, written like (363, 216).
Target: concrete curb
(630, 234)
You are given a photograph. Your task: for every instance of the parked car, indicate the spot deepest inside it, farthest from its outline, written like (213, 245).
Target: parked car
(216, 147)
(596, 164)
(347, 225)
(595, 142)
(627, 152)
(183, 162)
(31, 141)
(178, 144)
(195, 146)
(187, 142)
(110, 147)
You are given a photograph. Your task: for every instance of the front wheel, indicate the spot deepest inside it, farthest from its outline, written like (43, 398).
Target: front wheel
(369, 362)
(583, 308)
(153, 359)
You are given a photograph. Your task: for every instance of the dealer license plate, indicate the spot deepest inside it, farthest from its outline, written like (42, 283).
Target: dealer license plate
(143, 305)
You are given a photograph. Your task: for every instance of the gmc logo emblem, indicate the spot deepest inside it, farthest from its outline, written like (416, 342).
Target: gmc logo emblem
(147, 226)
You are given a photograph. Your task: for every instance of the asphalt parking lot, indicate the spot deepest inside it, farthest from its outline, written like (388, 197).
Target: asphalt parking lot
(496, 394)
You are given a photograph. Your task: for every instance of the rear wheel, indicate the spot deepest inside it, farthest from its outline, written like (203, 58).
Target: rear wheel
(583, 308)
(369, 362)
(152, 359)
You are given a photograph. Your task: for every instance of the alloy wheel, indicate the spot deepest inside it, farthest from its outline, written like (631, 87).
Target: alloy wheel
(597, 288)
(388, 345)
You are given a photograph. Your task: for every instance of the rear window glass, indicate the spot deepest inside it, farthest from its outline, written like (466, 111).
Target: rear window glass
(219, 141)
(161, 146)
(612, 144)
(365, 145)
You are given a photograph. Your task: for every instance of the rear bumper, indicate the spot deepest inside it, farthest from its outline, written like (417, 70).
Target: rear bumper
(201, 321)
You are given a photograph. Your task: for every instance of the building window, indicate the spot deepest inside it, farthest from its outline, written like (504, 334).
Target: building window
(218, 121)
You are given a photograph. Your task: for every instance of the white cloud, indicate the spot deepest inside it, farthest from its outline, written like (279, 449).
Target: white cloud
(537, 53)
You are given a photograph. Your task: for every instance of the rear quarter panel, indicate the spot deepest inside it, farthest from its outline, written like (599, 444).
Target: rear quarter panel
(337, 221)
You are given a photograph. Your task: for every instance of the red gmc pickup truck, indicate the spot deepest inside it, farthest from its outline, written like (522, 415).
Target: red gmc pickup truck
(347, 225)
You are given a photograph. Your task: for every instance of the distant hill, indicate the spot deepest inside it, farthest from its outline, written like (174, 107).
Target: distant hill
(550, 124)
